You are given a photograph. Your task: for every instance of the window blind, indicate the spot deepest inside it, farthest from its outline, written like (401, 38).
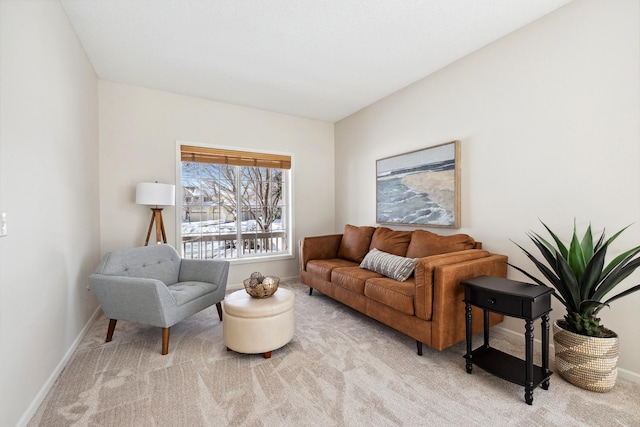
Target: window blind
(190, 153)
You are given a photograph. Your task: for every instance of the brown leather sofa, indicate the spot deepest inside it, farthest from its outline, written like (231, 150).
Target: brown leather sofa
(428, 305)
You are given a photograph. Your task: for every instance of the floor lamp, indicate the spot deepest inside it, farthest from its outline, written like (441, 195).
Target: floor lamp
(155, 194)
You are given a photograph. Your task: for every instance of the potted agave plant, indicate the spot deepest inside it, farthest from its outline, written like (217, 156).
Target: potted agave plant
(586, 352)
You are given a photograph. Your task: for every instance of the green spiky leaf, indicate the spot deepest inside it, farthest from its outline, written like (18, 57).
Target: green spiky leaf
(580, 274)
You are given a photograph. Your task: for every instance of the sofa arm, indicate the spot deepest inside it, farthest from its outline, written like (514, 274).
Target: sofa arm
(133, 299)
(424, 277)
(449, 316)
(318, 247)
(206, 270)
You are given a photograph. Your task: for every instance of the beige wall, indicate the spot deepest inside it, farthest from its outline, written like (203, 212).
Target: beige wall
(49, 189)
(138, 133)
(549, 119)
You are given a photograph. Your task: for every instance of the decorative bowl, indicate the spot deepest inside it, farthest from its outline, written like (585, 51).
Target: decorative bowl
(264, 289)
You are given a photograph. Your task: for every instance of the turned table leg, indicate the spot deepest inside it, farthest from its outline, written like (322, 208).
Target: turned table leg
(528, 379)
(469, 335)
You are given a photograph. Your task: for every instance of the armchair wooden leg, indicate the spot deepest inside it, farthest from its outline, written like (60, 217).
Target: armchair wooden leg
(112, 327)
(165, 340)
(219, 307)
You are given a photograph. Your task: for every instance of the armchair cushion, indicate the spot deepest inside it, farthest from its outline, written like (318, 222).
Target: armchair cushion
(183, 292)
(150, 262)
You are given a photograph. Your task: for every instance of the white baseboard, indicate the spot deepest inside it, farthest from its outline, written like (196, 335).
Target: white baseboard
(622, 373)
(39, 398)
(37, 401)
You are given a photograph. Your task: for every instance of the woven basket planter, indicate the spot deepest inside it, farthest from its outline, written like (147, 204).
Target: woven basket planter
(587, 362)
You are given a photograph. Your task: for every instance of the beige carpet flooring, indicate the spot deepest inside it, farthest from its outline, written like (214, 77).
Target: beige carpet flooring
(340, 369)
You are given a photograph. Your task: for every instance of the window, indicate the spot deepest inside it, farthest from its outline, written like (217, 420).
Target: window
(235, 204)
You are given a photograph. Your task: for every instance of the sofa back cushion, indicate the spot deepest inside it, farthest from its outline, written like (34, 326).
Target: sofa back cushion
(355, 242)
(391, 241)
(424, 243)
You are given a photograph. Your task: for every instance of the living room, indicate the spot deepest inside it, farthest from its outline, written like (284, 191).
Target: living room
(548, 118)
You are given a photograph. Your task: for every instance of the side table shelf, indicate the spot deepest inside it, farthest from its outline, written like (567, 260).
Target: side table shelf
(514, 299)
(507, 367)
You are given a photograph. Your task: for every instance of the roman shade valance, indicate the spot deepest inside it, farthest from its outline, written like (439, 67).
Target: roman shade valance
(190, 153)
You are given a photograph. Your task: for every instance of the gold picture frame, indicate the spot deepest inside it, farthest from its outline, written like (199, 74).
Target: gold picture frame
(420, 188)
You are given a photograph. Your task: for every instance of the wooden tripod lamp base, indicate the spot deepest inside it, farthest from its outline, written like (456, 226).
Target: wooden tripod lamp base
(154, 194)
(156, 216)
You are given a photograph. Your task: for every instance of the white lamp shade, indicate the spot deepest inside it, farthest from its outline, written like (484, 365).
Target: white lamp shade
(153, 193)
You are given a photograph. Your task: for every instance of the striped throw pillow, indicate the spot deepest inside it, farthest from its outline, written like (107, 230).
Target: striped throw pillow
(393, 266)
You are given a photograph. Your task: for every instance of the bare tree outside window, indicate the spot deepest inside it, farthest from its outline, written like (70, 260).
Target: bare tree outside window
(233, 211)
(262, 197)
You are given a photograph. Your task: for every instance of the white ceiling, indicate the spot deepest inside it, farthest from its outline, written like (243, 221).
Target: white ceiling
(322, 59)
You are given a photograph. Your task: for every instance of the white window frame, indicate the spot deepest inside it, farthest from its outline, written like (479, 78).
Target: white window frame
(289, 254)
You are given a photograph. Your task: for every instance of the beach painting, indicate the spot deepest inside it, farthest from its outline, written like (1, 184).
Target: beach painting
(420, 187)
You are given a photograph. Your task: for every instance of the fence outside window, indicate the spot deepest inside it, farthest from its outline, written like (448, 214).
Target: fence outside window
(234, 204)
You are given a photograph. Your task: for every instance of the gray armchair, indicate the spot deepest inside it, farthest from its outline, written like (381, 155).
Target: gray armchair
(154, 286)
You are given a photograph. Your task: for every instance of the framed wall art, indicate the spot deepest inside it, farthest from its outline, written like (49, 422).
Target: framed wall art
(420, 188)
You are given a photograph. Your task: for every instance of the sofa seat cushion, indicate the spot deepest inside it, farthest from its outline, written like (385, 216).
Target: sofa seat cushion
(352, 278)
(323, 267)
(397, 295)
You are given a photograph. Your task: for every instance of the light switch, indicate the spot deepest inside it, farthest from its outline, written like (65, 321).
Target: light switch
(3, 223)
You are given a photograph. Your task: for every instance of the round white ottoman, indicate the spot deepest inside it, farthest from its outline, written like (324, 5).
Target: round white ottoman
(258, 325)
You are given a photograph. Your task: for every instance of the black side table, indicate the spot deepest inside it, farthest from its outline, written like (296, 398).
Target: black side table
(514, 299)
